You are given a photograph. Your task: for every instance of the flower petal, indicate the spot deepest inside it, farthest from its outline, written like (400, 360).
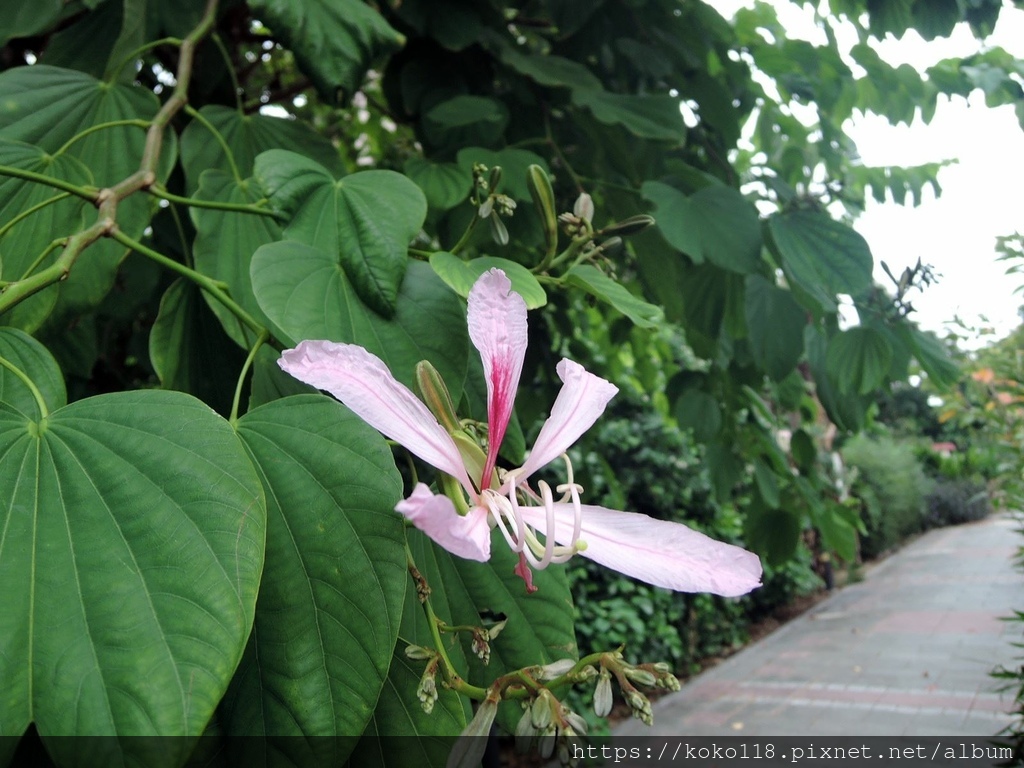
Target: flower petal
(497, 326)
(580, 402)
(364, 384)
(659, 552)
(467, 536)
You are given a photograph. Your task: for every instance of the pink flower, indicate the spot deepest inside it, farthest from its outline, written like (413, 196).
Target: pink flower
(656, 551)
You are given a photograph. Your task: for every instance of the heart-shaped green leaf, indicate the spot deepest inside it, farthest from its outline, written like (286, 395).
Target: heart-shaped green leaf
(715, 224)
(334, 582)
(48, 107)
(334, 41)
(307, 295)
(649, 117)
(858, 360)
(462, 275)
(465, 120)
(775, 326)
(131, 550)
(247, 136)
(366, 219)
(35, 361)
(822, 256)
(224, 245)
(445, 184)
(24, 241)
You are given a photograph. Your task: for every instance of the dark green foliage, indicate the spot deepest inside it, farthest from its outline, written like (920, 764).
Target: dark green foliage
(952, 502)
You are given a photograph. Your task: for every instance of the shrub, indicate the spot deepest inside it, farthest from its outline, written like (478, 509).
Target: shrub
(952, 502)
(891, 485)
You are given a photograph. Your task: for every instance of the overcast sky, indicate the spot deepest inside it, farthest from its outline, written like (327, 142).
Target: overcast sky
(981, 193)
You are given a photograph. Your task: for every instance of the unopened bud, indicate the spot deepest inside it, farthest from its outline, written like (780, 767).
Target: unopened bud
(469, 748)
(576, 724)
(555, 669)
(641, 676)
(434, 393)
(584, 207)
(640, 706)
(544, 201)
(540, 710)
(498, 231)
(629, 226)
(495, 629)
(495, 178)
(427, 690)
(418, 653)
(525, 731)
(603, 694)
(480, 645)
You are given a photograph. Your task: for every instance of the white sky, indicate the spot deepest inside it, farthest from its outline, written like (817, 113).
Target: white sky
(981, 194)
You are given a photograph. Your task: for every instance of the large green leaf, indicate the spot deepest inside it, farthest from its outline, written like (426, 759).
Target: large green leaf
(775, 326)
(649, 117)
(48, 106)
(188, 354)
(25, 241)
(334, 582)
(24, 19)
(822, 256)
(306, 294)
(700, 412)
(933, 357)
(224, 245)
(444, 184)
(599, 285)
(33, 359)
(462, 275)
(334, 41)
(131, 551)
(247, 136)
(553, 71)
(465, 120)
(715, 224)
(858, 360)
(847, 411)
(366, 219)
(772, 533)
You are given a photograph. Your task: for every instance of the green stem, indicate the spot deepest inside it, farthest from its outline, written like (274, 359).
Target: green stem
(230, 66)
(464, 240)
(260, 341)
(194, 114)
(418, 253)
(100, 127)
(43, 410)
(211, 286)
(138, 52)
(41, 257)
(86, 193)
(29, 211)
(159, 191)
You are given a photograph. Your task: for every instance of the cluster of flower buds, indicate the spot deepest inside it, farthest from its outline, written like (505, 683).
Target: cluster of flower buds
(648, 675)
(426, 692)
(482, 637)
(550, 726)
(491, 205)
(578, 223)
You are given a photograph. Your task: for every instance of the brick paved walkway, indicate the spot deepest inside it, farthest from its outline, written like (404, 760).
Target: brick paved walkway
(907, 651)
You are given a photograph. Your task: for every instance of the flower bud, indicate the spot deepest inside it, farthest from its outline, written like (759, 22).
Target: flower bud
(480, 646)
(540, 710)
(469, 748)
(432, 391)
(584, 207)
(640, 706)
(544, 200)
(642, 676)
(495, 178)
(629, 226)
(603, 694)
(576, 724)
(427, 690)
(555, 669)
(418, 653)
(498, 231)
(525, 732)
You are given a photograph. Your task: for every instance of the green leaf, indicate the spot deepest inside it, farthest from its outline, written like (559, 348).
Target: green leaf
(514, 166)
(23, 243)
(36, 362)
(550, 70)
(188, 354)
(224, 244)
(649, 117)
(597, 284)
(849, 412)
(804, 452)
(775, 326)
(26, 19)
(822, 256)
(247, 136)
(132, 547)
(445, 185)
(367, 219)
(306, 294)
(461, 275)
(858, 359)
(334, 582)
(700, 412)
(772, 533)
(465, 120)
(334, 41)
(767, 483)
(715, 224)
(934, 358)
(47, 107)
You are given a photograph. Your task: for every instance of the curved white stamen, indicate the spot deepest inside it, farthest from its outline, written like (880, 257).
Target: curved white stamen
(500, 508)
(549, 506)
